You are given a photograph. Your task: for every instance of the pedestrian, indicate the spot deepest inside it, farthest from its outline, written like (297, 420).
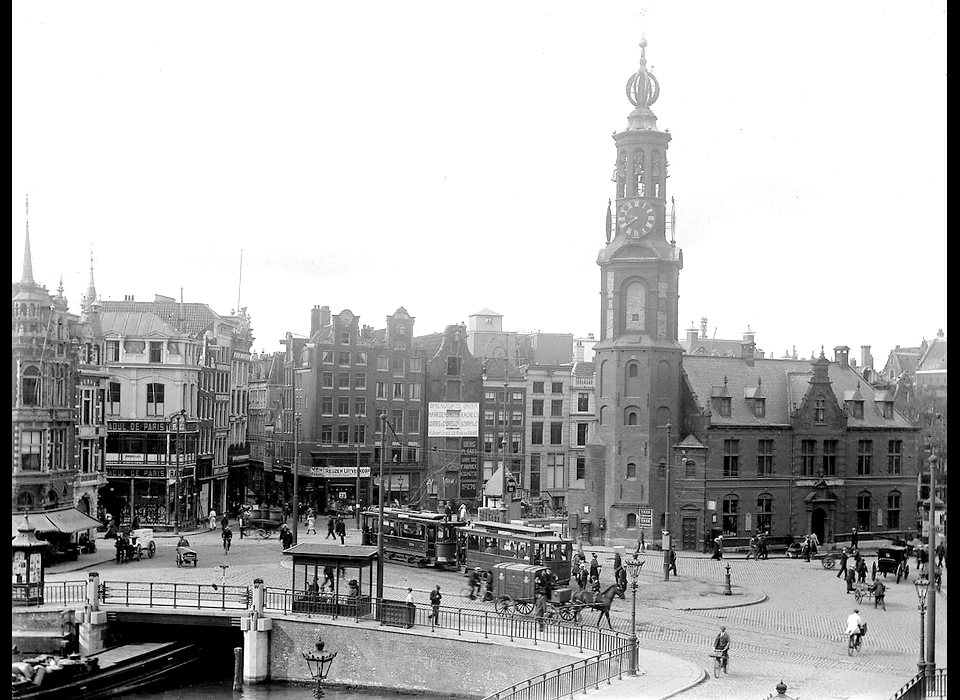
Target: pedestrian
(941, 553)
(224, 522)
(327, 578)
(411, 608)
(595, 568)
(447, 512)
(213, 519)
(879, 593)
(718, 547)
(435, 598)
(854, 538)
(285, 511)
(641, 543)
(462, 513)
(722, 645)
(814, 544)
(762, 546)
(843, 562)
(136, 522)
(862, 571)
(330, 528)
(240, 518)
(540, 609)
(851, 577)
(311, 523)
(341, 528)
(620, 575)
(753, 549)
(673, 561)
(806, 547)
(227, 536)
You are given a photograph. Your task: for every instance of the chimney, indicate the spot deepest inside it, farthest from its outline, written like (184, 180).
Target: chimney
(324, 316)
(703, 327)
(866, 359)
(940, 334)
(748, 352)
(841, 355)
(578, 351)
(314, 319)
(691, 338)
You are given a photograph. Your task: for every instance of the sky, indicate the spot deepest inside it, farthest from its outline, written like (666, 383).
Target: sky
(451, 157)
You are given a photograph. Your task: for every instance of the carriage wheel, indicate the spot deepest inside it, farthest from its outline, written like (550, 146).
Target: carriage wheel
(151, 550)
(828, 562)
(502, 604)
(858, 594)
(524, 607)
(567, 612)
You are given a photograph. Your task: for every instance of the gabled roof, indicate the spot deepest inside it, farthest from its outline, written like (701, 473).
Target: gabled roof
(197, 317)
(486, 312)
(785, 383)
(136, 324)
(935, 358)
(584, 369)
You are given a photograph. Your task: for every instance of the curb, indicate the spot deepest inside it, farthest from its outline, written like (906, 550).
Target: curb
(756, 601)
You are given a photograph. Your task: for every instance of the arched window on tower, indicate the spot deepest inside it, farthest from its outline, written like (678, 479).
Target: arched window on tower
(631, 416)
(638, 171)
(622, 174)
(655, 180)
(632, 369)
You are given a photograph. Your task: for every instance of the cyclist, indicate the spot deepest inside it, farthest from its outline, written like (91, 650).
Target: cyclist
(722, 644)
(854, 625)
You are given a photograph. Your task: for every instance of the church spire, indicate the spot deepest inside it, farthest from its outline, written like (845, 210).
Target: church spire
(27, 276)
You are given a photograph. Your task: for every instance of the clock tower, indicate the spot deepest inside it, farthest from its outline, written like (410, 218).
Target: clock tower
(638, 357)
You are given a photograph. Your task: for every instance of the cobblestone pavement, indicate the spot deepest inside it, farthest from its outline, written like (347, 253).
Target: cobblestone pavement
(793, 633)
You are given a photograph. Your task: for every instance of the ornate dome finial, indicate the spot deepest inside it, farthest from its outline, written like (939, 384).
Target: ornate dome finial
(642, 91)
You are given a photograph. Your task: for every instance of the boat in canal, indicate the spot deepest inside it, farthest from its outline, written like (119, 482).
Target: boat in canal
(107, 674)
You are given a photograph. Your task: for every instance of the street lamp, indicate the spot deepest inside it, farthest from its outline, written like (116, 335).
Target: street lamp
(177, 423)
(633, 566)
(923, 587)
(666, 516)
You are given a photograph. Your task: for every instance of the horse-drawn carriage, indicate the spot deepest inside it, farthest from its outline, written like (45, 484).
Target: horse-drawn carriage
(131, 546)
(515, 587)
(892, 560)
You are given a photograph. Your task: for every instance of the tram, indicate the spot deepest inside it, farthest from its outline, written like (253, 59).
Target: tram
(413, 537)
(485, 543)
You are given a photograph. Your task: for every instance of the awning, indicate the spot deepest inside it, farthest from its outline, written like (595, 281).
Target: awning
(65, 520)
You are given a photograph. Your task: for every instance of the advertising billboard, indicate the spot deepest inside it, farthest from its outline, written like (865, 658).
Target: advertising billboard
(453, 419)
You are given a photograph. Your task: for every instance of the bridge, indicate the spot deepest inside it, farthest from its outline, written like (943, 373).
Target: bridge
(279, 623)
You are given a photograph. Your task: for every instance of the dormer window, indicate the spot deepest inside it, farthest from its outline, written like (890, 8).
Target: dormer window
(855, 408)
(820, 412)
(886, 409)
(723, 405)
(760, 408)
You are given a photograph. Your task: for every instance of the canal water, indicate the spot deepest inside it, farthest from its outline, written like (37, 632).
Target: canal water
(223, 690)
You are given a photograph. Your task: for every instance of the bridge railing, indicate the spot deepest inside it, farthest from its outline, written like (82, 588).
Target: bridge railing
(176, 595)
(566, 681)
(486, 623)
(921, 688)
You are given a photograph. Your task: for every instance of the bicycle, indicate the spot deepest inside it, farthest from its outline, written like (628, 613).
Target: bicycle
(854, 644)
(719, 662)
(263, 533)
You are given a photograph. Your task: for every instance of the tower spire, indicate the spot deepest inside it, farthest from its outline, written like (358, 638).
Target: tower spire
(27, 276)
(642, 91)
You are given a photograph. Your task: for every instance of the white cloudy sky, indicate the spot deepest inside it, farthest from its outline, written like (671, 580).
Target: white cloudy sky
(448, 157)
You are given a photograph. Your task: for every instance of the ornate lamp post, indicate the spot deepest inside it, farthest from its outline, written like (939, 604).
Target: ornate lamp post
(922, 586)
(383, 451)
(177, 423)
(633, 566)
(319, 663)
(666, 516)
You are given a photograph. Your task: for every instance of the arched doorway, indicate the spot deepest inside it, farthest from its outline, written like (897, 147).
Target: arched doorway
(83, 505)
(818, 524)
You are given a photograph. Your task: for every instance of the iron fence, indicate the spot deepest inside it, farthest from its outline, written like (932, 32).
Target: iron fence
(920, 688)
(176, 595)
(566, 681)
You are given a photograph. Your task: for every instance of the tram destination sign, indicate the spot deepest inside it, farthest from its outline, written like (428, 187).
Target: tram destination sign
(453, 419)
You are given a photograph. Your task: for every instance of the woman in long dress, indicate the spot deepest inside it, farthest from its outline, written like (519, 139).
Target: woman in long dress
(213, 519)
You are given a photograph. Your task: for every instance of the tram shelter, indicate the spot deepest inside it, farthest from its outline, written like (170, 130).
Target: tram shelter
(348, 563)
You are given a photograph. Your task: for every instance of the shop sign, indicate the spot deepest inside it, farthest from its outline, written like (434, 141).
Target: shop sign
(453, 419)
(140, 426)
(646, 517)
(220, 470)
(136, 472)
(468, 489)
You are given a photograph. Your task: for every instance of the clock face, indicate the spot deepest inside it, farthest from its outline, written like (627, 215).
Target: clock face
(636, 218)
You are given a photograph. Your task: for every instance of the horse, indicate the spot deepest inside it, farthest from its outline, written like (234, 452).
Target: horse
(597, 601)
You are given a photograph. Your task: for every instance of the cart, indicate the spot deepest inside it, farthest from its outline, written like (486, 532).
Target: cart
(795, 550)
(132, 547)
(515, 587)
(892, 560)
(185, 555)
(262, 527)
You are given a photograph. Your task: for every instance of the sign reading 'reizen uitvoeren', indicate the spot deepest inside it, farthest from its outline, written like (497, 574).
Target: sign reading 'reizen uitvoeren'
(453, 419)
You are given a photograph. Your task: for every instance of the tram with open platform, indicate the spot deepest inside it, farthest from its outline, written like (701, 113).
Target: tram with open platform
(483, 543)
(413, 537)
